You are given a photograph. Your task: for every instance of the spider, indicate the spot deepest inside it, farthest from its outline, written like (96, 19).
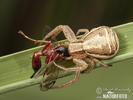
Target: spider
(99, 43)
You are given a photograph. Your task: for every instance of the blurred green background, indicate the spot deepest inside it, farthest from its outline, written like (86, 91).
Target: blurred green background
(35, 17)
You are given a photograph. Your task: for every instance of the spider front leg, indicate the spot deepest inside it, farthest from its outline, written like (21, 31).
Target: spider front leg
(81, 65)
(69, 34)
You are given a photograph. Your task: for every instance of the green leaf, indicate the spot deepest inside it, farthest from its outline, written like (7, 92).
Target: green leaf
(15, 69)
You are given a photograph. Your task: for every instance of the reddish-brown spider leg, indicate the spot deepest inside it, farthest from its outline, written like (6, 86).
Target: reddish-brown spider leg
(79, 62)
(36, 41)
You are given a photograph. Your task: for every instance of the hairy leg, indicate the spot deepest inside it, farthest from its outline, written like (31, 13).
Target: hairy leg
(69, 34)
(81, 65)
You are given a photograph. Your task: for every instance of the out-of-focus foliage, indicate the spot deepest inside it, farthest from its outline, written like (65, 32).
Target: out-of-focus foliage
(32, 16)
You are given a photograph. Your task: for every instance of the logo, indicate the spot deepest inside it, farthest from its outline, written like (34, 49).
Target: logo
(113, 93)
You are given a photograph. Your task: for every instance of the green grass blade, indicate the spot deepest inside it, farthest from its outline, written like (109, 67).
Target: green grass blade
(15, 69)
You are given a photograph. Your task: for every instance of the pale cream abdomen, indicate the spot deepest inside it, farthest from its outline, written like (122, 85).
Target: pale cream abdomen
(101, 42)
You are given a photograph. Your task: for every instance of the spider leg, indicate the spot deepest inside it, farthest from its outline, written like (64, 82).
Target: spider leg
(86, 31)
(68, 58)
(82, 65)
(36, 41)
(69, 82)
(69, 34)
(92, 63)
(101, 63)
